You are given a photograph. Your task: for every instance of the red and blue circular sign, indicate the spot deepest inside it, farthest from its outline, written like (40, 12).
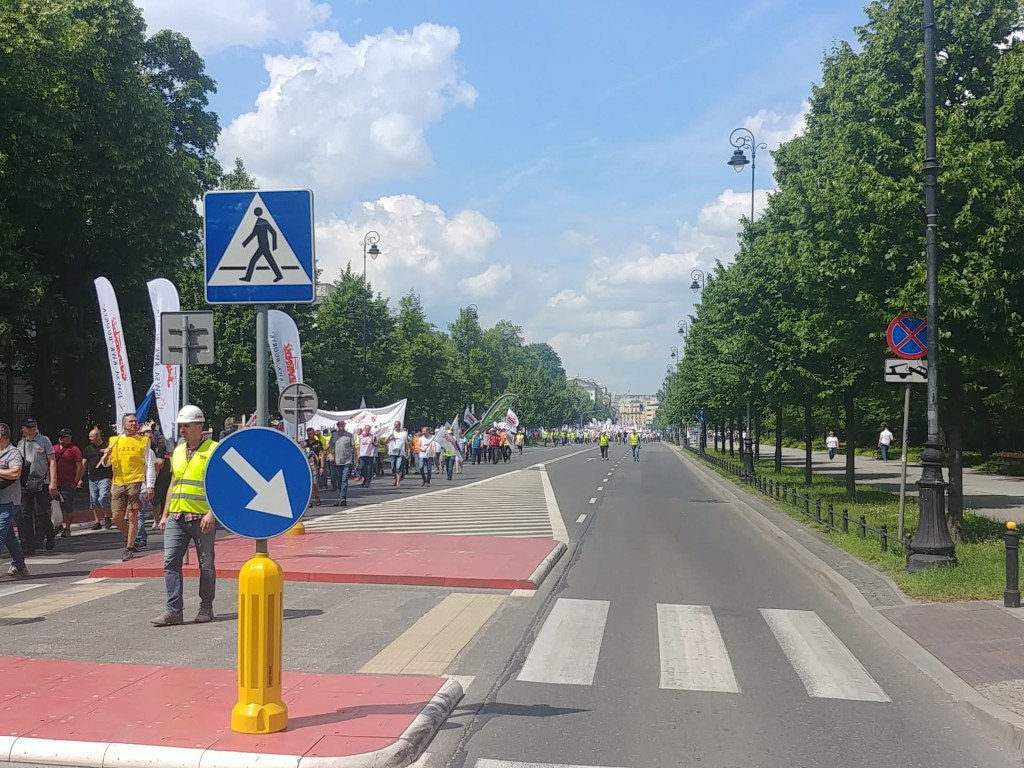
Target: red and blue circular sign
(908, 337)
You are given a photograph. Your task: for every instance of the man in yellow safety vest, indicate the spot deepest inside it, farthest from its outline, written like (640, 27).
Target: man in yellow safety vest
(187, 517)
(634, 443)
(603, 442)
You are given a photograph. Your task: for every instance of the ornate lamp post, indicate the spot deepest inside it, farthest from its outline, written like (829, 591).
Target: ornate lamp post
(932, 544)
(743, 139)
(682, 328)
(699, 280)
(369, 243)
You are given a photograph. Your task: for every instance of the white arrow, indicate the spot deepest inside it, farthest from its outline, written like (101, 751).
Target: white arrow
(271, 495)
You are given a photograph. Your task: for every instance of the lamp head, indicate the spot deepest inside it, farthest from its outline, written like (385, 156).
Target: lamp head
(738, 160)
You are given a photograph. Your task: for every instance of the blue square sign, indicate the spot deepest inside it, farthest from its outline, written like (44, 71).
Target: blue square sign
(259, 247)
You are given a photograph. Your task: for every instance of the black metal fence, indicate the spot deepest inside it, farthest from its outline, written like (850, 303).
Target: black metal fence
(811, 507)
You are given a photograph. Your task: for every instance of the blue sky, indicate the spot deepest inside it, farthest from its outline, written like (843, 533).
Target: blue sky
(560, 164)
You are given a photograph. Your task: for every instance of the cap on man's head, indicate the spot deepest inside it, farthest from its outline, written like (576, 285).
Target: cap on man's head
(30, 422)
(64, 433)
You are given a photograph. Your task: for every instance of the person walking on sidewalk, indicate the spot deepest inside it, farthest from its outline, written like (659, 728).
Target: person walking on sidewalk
(602, 441)
(134, 465)
(187, 518)
(884, 441)
(11, 462)
(99, 477)
(68, 461)
(832, 443)
(367, 455)
(634, 443)
(35, 525)
(344, 457)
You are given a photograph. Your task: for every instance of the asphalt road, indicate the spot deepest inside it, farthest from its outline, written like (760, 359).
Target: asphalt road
(673, 634)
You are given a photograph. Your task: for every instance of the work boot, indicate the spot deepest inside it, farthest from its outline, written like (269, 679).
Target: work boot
(167, 619)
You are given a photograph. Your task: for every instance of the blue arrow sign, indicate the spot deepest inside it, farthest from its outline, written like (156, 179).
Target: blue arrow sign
(258, 482)
(700, 414)
(259, 247)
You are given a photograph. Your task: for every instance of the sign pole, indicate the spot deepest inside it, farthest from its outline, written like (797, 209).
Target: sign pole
(903, 457)
(185, 348)
(260, 708)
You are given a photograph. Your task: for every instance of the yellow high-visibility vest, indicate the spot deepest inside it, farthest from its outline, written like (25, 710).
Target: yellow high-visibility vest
(188, 479)
(634, 439)
(128, 458)
(603, 441)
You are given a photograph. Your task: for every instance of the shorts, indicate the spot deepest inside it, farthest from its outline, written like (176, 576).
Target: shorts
(99, 493)
(66, 496)
(125, 497)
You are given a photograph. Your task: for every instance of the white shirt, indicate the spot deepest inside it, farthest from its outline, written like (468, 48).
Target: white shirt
(831, 441)
(397, 443)
(426, 446)
(367, 446)
(885, 438)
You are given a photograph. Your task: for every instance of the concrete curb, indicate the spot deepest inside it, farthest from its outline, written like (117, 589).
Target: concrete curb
(1002, 722)
(547, 564)
(91, 754)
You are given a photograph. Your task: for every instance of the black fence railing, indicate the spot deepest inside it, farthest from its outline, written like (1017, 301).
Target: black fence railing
(811, 507)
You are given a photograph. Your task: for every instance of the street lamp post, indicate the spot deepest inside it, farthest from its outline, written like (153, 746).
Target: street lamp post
(369, 243)
(682, 328)
(699, 280)
(743, 139)
(932, 544)
(472, 312)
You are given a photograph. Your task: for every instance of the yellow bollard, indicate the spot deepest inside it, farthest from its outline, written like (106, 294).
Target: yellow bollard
(260, 708)
(296, 530)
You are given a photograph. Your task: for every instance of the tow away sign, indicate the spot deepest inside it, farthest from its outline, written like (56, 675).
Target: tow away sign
(906, 371)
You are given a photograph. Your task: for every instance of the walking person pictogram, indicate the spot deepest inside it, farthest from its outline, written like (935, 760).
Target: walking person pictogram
(260, 231)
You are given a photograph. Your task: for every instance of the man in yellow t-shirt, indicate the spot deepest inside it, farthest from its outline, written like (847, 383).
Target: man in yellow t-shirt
(131, 457)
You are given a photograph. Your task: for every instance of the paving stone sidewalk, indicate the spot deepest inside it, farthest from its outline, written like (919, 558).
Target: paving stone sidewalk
(981, 641)
(997, 497)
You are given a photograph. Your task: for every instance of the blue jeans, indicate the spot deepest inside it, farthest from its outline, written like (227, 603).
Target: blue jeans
(831, 453)
(636, 453)
(342, 472)
(366, 468)
(396, 463)
(885, 451)
(142, 538)
(34, 524)
(449, 465)
(426, 468)
(177, 537)
(7, 538)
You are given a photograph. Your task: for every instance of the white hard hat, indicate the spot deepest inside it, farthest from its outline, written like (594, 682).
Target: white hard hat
(190, 414)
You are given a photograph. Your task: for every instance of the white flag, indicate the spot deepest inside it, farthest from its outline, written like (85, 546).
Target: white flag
(117, 351)
(283, 337)
(511, 419)
(469, 418)
(166, 378)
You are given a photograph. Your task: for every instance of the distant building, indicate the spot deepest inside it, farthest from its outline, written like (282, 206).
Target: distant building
(636, 409)
(596, 391)
(323, 290)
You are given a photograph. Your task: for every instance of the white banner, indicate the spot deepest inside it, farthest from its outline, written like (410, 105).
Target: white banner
(469, 418)
(166, 378)
(381, 420)
(117, 351)
(283, 337)
(511, 419)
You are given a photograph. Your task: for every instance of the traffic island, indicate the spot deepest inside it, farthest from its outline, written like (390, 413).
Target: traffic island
(341, 557)
(86, 714)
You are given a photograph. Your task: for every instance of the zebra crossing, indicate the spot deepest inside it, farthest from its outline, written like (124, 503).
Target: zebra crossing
(693, 653)
(516, 504)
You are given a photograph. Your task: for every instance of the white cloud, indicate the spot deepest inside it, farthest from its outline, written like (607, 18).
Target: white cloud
(213, 25)
(578, 239)
(775, 129)
(421, 247)
(569, 299)
(487, 283)
(340, 116)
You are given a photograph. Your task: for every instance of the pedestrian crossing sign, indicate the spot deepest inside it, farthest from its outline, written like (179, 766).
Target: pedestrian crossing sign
(259, 247)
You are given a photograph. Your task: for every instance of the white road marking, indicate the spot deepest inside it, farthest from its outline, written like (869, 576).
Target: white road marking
(693, 654)
(826, 667)
(485, 763)
(90, 580)
(558, 530)
(581, 518)
(16, 588)
(600, 487)
(568, 644)
(592, 501)
(48, 560)
(522, 593)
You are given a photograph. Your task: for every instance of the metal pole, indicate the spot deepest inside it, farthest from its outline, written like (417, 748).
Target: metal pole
(903, 473)
(185, 348)
(363, 393)
(262, 407)
(1011, 595)
(932, 544)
